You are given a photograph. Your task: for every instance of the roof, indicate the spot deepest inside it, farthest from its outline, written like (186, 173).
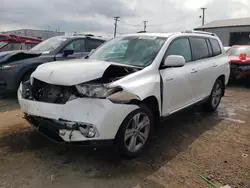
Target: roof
(150, 34)
(227, 23)
(166, 35)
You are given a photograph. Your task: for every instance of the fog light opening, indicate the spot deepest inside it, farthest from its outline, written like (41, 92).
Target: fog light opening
(88, 131)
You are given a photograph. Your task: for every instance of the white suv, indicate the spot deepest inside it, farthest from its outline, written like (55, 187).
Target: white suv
(119, 92)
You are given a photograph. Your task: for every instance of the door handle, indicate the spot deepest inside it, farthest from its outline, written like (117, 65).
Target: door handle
(170, 79)
(215, 65)
(194, 71)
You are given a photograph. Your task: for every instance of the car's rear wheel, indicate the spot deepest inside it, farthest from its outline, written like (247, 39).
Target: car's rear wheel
(134, 133)
(215, 97)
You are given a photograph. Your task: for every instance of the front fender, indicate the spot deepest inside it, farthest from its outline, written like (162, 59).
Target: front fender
(142, 84)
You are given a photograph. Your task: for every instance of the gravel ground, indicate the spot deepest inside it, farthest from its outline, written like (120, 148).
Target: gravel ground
(187, 145)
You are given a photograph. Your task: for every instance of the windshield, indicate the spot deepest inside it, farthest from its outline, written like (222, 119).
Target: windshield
(239, 50)
(49, 44)
(132, 50)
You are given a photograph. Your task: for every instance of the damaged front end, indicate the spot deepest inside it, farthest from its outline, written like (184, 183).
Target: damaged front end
(80, 112)
(58, 129)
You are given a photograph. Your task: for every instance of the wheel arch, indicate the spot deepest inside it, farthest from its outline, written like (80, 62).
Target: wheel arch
(25, 72)
(222, 78)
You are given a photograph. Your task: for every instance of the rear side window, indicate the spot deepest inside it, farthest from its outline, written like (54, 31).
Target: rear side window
(180, 47)
(215, 46)
(200, 48)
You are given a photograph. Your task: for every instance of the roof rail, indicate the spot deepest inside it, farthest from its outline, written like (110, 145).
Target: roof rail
(141, 32)
(82, 34)
(199, 32)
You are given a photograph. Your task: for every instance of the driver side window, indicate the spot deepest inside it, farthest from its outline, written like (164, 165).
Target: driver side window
(76, 45)
(180, 47)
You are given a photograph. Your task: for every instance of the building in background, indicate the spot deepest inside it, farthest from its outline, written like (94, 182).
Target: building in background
(42, 34)
(231, 31)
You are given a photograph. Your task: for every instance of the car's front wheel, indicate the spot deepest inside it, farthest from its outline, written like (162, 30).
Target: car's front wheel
(215, 97)
(135, 132)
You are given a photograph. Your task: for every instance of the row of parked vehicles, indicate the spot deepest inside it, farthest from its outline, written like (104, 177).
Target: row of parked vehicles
(118, 91)
(17, 66)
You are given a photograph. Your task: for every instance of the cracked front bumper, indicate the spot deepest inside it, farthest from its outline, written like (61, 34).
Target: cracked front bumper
(102, 113)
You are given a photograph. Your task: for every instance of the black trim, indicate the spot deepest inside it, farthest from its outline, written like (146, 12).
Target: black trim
(191, 49)
(161, 90)
(210, 49)
(50, 130)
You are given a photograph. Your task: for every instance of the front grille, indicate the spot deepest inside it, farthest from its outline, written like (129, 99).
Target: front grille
(49, 93)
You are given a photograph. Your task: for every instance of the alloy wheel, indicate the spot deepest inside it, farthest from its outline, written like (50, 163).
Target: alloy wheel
(216, 95)
(137, 132)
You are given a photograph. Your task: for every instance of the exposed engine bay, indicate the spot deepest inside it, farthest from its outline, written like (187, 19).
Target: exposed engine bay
(115, 72)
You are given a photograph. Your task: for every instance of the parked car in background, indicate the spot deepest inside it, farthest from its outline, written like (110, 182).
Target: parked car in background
(16, 66)
(240, 63)
(17, 42)
(121, 90)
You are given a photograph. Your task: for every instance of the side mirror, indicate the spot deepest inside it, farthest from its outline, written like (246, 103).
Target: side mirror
(67, 52)
(174, 61)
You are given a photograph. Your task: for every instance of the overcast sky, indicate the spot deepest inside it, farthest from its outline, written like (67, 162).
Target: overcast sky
(96, 16)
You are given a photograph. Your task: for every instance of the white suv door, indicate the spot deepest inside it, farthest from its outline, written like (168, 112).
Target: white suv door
(177, 82)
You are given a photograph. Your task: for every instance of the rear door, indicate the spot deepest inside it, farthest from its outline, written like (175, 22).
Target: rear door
(79, 50)
(203, 61)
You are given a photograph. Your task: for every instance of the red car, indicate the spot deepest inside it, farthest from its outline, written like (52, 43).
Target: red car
(240, 62)
(17, 42)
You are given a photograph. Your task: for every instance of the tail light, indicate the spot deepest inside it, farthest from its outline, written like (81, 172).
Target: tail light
(243, 56)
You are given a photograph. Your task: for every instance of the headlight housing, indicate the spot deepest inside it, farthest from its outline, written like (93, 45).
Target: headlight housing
(95, 90)
(7, 67)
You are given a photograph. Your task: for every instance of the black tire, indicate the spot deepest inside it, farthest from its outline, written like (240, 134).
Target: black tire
(120, 137)
(210, 105)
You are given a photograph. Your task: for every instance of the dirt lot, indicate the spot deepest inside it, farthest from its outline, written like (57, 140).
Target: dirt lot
(187, 145)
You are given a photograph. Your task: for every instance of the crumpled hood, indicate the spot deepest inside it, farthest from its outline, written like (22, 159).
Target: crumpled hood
(71, 72)
(11, 56)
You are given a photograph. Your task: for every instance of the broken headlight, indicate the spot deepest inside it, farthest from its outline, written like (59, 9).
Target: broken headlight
(95, 90)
